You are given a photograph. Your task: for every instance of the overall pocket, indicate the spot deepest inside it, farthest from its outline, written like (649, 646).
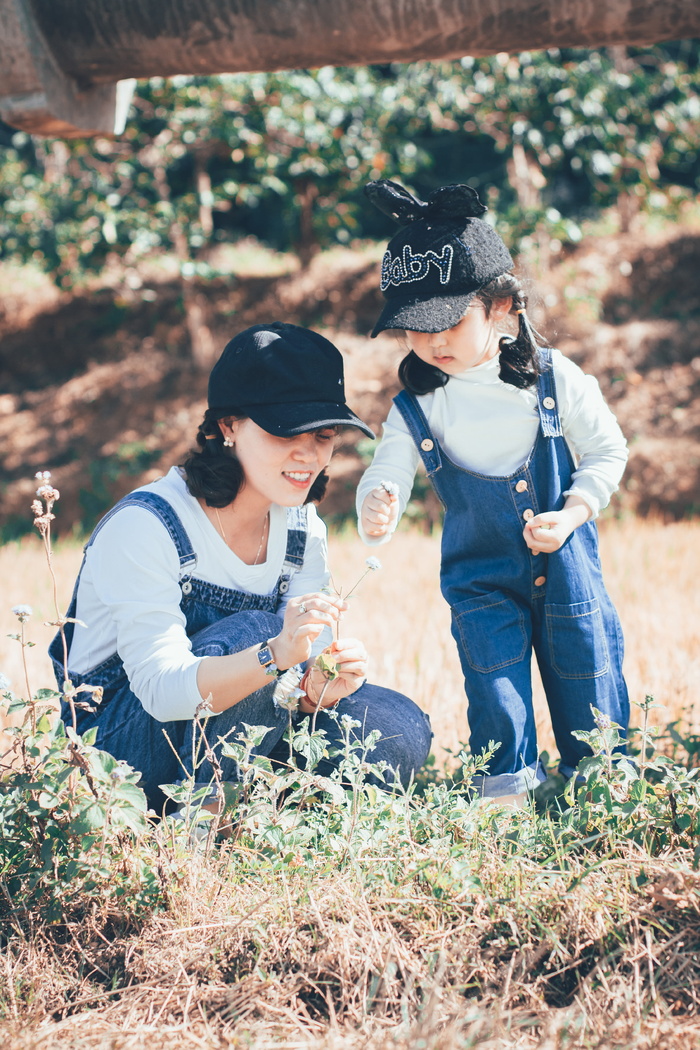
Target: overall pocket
(490, 630)
(576, 635)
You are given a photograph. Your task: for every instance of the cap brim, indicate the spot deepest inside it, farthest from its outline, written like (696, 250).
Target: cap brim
(288, 420)
(423, 315)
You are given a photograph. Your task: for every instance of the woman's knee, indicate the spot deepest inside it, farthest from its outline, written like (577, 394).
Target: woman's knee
(405, 734)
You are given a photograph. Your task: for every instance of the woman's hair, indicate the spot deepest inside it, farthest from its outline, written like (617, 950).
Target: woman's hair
(518, 354)
(213, 472)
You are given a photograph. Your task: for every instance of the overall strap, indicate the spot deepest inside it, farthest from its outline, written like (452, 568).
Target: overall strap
(419, 429)
(297, 527)
(165, 514)
(547, 395)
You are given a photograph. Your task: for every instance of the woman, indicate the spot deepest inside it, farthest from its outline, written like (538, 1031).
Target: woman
(200, 589)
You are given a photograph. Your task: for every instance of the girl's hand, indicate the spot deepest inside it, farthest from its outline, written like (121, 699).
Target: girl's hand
(304, 619)
(547, 532)
(351, 657)
(380, 512)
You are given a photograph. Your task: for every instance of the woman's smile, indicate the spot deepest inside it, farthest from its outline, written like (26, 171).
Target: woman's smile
(299, 478)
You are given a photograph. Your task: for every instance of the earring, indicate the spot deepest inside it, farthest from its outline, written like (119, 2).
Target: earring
(228, 443)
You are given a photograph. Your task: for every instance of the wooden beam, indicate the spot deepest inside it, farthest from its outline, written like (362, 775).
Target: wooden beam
(37, 96)
(60, 59)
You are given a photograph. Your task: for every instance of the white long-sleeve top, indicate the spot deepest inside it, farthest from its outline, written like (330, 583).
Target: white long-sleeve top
(489, 426)
(129, 593)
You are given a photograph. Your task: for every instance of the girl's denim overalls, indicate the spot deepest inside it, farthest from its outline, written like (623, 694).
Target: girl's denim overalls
(505, 602)
(220, 621)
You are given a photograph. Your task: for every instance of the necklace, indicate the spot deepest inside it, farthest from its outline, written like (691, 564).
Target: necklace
(262, 538)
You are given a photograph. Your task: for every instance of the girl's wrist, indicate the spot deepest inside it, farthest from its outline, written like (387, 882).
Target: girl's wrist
(576, 512)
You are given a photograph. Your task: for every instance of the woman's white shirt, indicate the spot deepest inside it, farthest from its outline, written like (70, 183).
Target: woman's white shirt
(488, 426)
(129, 593)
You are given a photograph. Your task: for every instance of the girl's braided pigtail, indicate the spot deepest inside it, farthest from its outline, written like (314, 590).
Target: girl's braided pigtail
(518, 355)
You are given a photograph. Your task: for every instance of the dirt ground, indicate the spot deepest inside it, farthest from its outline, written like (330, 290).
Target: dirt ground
(99, 387)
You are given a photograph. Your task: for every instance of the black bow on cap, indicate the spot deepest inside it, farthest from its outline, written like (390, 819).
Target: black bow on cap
(446, 204)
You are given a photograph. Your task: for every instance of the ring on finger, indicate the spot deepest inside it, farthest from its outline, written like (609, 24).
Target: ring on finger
(302, 608)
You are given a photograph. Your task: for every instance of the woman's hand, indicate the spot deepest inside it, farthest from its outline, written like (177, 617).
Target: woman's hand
(304, 619)
(350, 656)
(380, 512)
(547, 532)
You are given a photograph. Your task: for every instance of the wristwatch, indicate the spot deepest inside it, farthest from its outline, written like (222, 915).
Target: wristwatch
(267, 660)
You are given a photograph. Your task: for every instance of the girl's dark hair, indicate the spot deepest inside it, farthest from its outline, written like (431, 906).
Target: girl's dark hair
(518, 354)
(214, 473)
(418, 376)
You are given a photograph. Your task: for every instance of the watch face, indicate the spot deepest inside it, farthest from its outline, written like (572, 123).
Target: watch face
(265, 656)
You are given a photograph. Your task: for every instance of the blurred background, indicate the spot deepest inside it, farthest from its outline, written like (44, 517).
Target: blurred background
(127, 262)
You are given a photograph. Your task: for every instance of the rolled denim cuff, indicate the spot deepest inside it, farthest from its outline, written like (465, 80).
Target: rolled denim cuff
(526, 779)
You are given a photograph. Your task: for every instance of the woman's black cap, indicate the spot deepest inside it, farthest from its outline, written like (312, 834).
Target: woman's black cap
(285, 378)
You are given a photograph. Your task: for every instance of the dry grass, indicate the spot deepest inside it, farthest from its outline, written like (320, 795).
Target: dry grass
(651, 570)
(321, 963)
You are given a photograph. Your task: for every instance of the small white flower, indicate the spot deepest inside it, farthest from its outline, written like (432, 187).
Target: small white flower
(5, 683)
(42, 475)
(48, 492)
(391, 487)
(22, 612)
(287, 693)
(290, 702)
(373, 563)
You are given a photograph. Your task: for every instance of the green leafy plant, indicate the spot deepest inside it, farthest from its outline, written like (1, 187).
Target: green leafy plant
(73, 820)
(647, 798)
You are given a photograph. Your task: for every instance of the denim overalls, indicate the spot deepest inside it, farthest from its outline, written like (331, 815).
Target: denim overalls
(507, 601)
(220, 621)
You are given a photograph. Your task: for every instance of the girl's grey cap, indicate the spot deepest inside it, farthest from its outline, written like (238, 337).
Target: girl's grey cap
(433, 268)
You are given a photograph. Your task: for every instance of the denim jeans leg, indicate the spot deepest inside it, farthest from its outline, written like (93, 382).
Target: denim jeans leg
(571, 692)
(493, 634)
(229, 635)
(500, 709)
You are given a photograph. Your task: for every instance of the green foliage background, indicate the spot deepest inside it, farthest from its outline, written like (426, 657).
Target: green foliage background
(284, 156)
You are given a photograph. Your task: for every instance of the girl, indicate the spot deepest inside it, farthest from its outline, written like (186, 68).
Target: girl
(523, 453)
(200, 589)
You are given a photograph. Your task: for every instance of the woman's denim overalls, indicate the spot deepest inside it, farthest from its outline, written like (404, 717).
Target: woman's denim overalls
(220, 621)
(505, 601)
